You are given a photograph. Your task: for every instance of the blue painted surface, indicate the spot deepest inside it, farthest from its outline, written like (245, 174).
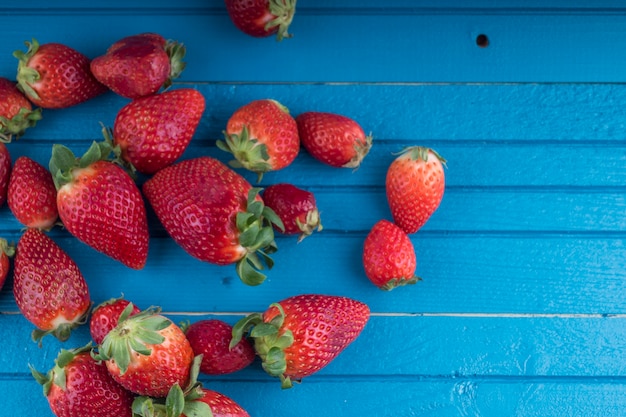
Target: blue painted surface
(522, 310)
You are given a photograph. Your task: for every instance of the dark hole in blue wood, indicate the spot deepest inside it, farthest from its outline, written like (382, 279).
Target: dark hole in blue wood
(482, 40)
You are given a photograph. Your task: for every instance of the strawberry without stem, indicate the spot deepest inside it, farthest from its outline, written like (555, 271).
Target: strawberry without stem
(300, 335)
(296, 208)
(16, 112)
(261, 18)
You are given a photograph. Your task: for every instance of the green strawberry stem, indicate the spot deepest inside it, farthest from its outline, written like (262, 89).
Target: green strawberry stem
(56, 375)
(421, 153)
(17, 125)
(398, 282)
(248, 152)
(27, 76)
(6, 248)
(284, 10)
(176, 51)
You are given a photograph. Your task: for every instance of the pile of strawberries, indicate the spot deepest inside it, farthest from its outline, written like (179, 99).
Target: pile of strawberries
(140, 362)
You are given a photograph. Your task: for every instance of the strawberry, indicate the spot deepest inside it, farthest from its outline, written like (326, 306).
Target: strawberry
(333, 139)
(154, 131)
(221, 405)
(215, 215)
(139, 65)
(300, 335)
(32, 196)
(105, 317)
(78, 385)
(211, 338)
(6, 252)
(389, 256)
(16, 112)
(5, 172)
(147, 353)
(49, 289)
(296, 208)
(100, 204)
(55, 76)
(414, 186)
(261, 18)
(262, 136)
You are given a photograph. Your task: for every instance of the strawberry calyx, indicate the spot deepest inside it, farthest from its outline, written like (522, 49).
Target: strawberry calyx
(7, 248)
(57, 375)
(417, 153)
(311, 223)
(62, 331)
(270, 341)
(398, 282)
(249, 153)
(17, 125)
(284, 10)
(361, 149)
(27, 76)
(176, 52)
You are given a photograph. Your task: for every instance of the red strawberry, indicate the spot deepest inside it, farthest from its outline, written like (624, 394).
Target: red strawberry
(32, 196)
(262, 136)
(211, 338)
(16, 112)
(78, 385)
(415, 184)
(5, 172)
(147, 353)
(215, 215)
(333, 139)
(6, 251)
(100, 204)
(154, 131)
(105, 317)
(139, 65)
(389, 256)
(296, 208)
(261, 18)
(55, 76)
(302, 334)
(49, 289)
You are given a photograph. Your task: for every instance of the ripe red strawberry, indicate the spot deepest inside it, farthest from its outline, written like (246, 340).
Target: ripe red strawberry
(389, 256)
(147, 353)
(211, 338)
(16, 112)
(78, 385)
(302, 334)
(262, 136)
(215, 215)
(261, 18)
(139, 65)
(296, 208)
(105, 317)
(154, 131)
(5, 172)
(32, 196)
(333, 139)
(49, 289)
(414, 185)
(100, 204)
(55, 76)
(6, 252)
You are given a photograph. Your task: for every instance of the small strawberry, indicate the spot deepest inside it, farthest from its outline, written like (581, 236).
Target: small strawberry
(16, 112)
(5, 172)
(414, 185)
(55, 76)
(211, 338)
(100, 204)
(49, 289)
(139, 65)
(296, 208)
(105, 317)
(32, 196)
(215, 215)
(261, 18)
(333, 139)
(302, 334)
(262, 136)
(153, 132)
(389, 256)
(6, 252)
(78, 385)
(147, 353)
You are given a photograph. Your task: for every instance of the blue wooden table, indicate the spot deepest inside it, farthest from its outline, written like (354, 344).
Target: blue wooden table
(522, 307)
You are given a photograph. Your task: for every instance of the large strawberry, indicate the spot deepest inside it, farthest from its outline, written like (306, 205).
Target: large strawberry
(333, 139)
(6, 252)
(105, 317)
(16, 111)
(296, 208)
(49, 289)
(389, 256)
(139, 65)
(153, 132)
(215, 215)
(415, 185)
(262, 136)
(54, 75)
(100, 204)
(147, 353)
(5, 172)
(78, 385)
(32, 196)
(261, 18)
(300, 335)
